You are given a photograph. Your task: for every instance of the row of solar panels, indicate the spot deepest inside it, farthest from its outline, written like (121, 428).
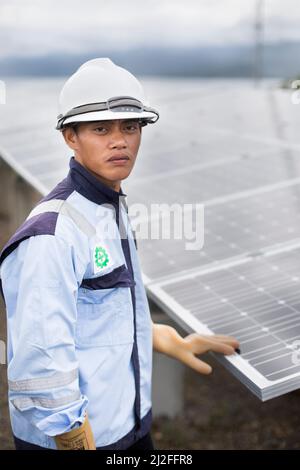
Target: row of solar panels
(235, 149)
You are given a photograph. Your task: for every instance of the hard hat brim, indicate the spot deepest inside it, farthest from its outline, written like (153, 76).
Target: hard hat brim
(109, 115)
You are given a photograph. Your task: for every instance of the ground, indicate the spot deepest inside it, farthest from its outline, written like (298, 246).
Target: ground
(220, 413)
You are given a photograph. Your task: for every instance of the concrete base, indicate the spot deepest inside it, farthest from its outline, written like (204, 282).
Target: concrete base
(168, 375)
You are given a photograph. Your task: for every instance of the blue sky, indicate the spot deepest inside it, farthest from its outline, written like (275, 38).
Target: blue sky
(37, 27)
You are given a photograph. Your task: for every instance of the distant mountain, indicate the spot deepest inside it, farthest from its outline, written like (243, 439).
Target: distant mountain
(279, 60)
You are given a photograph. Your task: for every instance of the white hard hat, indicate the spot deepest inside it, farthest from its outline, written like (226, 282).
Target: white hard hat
(101, 90)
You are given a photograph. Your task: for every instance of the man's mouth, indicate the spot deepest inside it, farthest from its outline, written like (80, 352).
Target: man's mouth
(118, 159)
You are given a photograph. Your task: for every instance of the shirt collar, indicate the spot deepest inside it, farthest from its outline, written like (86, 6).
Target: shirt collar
(91, 187)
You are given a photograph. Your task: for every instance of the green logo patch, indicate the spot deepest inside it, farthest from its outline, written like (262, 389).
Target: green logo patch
(101, 257)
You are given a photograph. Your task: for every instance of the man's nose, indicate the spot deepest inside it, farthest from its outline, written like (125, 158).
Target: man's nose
(117, 138)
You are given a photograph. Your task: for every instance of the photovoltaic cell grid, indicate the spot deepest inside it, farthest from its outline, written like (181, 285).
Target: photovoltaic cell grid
(209, 183)
(238, 153)
(232, 229)
(258, 302)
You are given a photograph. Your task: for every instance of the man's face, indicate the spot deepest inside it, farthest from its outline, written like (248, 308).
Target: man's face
(107, 149)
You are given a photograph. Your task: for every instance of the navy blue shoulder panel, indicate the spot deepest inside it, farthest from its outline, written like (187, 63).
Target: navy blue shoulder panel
(41, 224)
(61, 191)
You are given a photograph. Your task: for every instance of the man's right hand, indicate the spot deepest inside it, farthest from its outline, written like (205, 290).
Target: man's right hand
(80, 438)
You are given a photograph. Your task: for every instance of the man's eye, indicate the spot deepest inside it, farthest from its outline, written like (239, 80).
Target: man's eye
(100, 129)
(132, 127)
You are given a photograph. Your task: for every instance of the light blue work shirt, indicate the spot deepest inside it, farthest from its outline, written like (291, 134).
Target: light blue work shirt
(79, 325)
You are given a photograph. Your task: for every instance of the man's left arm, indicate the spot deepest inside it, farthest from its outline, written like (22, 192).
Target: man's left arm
(168, 341)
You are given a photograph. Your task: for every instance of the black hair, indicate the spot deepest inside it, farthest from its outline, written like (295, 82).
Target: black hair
(72, 125)
(75, 125)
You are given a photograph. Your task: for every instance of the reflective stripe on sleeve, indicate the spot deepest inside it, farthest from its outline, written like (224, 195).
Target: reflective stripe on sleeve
(59, 379)
(28, 402)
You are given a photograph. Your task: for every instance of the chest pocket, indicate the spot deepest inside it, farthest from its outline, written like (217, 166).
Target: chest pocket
(104, 310)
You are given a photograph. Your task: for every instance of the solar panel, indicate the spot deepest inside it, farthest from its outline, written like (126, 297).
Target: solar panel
(257, 300)
(234, 149)
(211, 182)
(233, 228)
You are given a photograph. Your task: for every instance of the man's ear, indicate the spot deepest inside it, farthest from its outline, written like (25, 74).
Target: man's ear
(70, 137)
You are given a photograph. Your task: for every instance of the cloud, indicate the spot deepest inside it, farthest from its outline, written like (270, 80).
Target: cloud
(35, 27)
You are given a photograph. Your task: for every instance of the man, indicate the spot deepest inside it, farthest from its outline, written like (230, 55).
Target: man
(80, 335)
